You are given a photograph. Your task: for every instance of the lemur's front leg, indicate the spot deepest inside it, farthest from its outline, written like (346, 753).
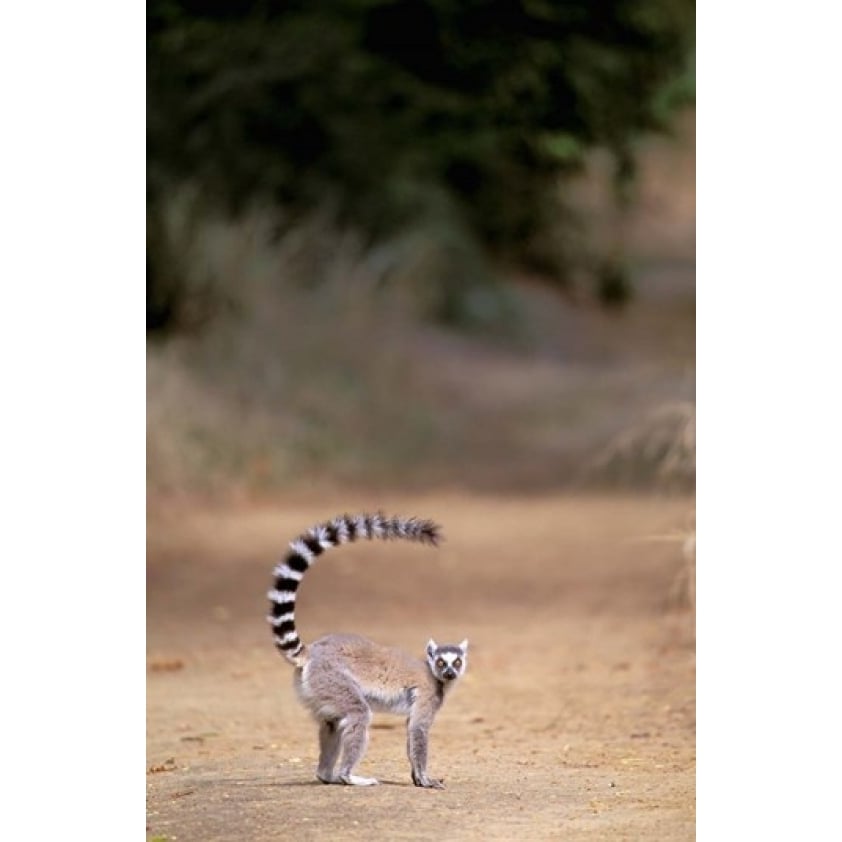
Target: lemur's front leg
(418, 731)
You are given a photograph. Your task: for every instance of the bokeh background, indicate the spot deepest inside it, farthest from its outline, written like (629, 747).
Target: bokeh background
(415, 243)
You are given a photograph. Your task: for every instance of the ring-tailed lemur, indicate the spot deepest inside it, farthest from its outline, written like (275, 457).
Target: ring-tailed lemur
(342, 678)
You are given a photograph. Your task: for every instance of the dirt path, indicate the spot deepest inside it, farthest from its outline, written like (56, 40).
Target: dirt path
(576, 719)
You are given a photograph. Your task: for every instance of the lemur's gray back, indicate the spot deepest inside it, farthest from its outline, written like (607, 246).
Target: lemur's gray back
(305, 549)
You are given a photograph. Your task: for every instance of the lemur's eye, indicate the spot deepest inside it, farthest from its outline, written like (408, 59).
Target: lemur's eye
(440, 663)
(458, 663)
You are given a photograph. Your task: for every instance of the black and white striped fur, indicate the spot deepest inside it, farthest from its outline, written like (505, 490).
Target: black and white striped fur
(305, 549)
(341, 678)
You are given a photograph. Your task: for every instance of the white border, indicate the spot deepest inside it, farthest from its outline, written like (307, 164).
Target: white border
(72, 84)
(769, 422)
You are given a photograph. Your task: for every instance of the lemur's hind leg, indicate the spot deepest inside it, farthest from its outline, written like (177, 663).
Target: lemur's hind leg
(354, 731)
(326, 688)
(330, 743)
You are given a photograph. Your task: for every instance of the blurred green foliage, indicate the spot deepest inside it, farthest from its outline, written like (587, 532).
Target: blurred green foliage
(460, 120)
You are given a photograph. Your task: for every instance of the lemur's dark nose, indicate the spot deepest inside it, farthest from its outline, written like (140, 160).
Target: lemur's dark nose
(450, 673)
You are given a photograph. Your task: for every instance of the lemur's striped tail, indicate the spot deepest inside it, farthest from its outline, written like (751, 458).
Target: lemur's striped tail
(304, 550)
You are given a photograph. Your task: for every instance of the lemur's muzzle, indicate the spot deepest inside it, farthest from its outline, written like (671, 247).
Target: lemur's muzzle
(449, 673)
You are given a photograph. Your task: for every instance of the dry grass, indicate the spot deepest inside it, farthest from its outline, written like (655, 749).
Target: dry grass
(335, 380)
(687, 582)
(658, 450)
(682, 592)
(292, 378)
(316, 370)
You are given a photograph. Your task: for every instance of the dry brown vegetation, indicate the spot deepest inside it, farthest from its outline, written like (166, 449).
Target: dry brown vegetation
(316, 371)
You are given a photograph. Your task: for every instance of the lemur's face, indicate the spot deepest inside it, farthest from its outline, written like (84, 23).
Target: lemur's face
(447, 662)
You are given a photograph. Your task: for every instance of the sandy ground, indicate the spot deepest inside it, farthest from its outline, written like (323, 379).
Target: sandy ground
(576, 719)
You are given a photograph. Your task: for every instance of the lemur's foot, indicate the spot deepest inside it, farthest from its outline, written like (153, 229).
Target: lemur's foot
(428, 783)
(356, 780)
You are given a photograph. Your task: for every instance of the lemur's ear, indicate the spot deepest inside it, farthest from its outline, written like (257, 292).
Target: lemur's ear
(464, 645)
(431, 647)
